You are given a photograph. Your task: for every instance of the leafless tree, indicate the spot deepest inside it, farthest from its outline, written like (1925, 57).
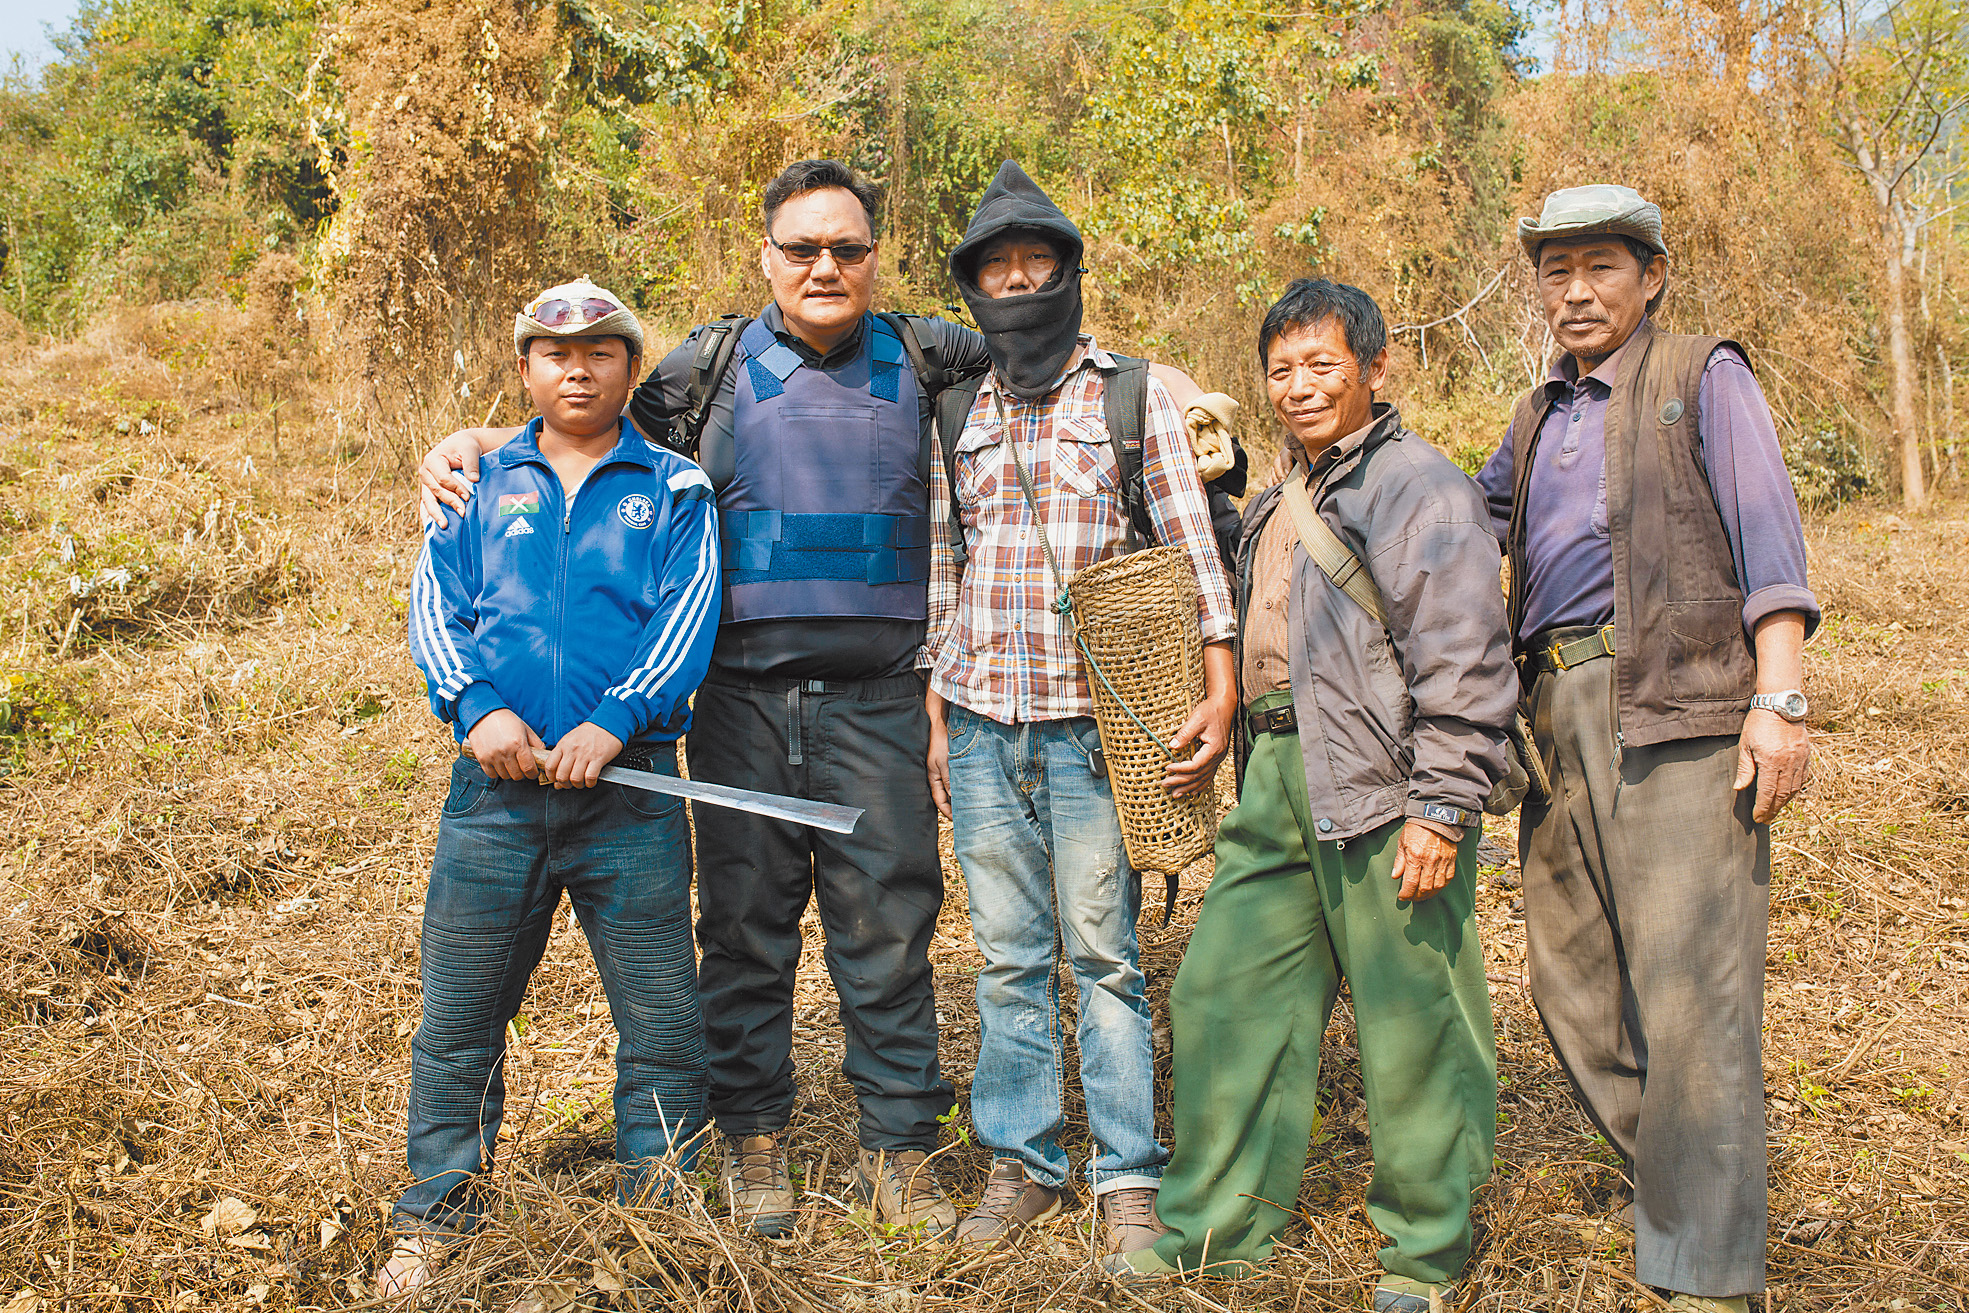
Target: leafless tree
(1899, 86)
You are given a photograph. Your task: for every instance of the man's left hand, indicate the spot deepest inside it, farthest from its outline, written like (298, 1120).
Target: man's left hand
(576, 761)
(1209, 727)
(1424, 863)
(1776, 755)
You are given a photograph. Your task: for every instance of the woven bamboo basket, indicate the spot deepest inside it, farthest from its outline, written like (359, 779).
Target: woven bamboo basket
(1136, 615)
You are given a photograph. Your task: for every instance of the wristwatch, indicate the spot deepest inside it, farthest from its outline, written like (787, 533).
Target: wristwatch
(1444, 814)
(1789, 703)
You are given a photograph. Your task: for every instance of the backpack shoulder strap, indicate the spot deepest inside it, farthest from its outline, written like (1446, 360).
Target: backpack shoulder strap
(953, 409)
(925, 353)
(717, 341)
(1328, 552)
(1125, 402)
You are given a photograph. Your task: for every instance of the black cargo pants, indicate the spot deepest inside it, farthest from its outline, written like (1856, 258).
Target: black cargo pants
(862, 744)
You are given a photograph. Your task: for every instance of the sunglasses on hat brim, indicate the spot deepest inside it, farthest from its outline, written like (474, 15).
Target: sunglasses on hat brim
(559, 313)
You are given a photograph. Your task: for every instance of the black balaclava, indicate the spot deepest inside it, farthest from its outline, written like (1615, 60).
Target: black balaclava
(1030, 337)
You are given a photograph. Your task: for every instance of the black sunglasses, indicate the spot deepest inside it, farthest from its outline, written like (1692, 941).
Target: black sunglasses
(806, 253)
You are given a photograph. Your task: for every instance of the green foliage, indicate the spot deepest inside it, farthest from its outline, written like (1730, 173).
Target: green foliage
(1180, 88)
(159, 156)
(1828, 468)
(42, 709)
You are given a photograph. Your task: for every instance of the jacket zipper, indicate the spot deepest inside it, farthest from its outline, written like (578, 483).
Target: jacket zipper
(561, 580)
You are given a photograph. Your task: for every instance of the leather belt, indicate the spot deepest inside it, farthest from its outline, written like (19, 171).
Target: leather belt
(1281, 719)
(1562, 649)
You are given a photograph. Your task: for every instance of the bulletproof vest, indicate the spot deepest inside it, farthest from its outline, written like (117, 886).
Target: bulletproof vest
(828, 509)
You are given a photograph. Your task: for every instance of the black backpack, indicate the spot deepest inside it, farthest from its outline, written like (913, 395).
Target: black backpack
(717, 343)
(954, 395)
(1125, 406)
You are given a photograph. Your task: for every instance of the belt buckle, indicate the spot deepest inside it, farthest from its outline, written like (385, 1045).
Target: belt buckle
(1607, 638)
(1558, 662)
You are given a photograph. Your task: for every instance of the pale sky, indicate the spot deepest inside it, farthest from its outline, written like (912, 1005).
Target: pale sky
(23, 29)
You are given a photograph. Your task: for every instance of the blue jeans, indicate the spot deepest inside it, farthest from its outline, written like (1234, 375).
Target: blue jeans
(1040, 844)
(505, 851)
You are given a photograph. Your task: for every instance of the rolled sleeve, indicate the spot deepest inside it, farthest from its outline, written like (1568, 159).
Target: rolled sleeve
(1753, 492)
(1180, 510)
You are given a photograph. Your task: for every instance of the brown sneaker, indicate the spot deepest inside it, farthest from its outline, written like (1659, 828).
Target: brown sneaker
(1011, 1203)
(903, 1189)
(1131, 1220)
(758, 1190)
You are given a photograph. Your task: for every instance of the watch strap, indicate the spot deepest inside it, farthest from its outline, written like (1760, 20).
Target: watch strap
(1779, 703)
(1448, 815)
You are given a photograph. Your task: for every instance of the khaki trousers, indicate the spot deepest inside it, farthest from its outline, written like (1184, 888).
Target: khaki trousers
(1647, 895)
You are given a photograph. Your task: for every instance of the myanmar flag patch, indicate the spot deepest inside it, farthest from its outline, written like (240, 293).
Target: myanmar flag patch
(519, 503)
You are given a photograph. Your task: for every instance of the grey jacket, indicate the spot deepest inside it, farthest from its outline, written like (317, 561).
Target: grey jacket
(1389, 728)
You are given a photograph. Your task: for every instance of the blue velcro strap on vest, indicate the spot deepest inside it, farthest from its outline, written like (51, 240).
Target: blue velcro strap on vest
(769, 361)
(875, 549)
(764, 386)
(886, 356)
(886, 346)
(781, 359)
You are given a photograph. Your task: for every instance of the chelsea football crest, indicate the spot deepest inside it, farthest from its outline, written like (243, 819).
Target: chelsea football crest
(637, 511)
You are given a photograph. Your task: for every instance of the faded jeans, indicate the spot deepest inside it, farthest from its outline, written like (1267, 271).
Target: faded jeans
(505, 851)
(1040, 844)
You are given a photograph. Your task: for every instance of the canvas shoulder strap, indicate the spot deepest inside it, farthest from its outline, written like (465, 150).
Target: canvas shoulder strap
(716, 344)
(925, 353)
(1331, 555)
(1125, 403)
(953, 409)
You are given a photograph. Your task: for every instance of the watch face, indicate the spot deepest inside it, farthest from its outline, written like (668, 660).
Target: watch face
(1793, 704)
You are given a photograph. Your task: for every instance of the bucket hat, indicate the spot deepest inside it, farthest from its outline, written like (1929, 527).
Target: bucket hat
(576, 309)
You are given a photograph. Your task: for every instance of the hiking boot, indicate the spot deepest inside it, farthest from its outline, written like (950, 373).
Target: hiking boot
(757, 1188)
(1709, 1304)
(902, 1189)
(1404, 1295)
(1131, 1220)
(1011, 1203)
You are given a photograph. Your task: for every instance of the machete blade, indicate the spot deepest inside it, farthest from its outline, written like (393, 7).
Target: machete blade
(801, 811)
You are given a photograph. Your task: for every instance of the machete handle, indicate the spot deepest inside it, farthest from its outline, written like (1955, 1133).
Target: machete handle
(465, 749)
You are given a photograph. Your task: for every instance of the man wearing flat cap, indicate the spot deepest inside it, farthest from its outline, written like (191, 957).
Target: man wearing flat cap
(1658, 605)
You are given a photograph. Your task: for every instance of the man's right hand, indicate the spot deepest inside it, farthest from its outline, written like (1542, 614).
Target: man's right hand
(939, 760)
(504, 746)
(447, 473)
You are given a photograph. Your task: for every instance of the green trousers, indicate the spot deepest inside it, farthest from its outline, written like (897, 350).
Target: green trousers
(1285, 918)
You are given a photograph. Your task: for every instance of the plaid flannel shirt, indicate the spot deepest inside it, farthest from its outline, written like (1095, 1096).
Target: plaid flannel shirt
(995, 644)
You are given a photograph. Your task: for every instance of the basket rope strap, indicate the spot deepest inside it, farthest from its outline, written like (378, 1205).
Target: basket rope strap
(1063, 603)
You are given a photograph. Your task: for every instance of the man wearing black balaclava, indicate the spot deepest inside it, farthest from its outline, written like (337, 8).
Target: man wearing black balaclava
(1014, 753)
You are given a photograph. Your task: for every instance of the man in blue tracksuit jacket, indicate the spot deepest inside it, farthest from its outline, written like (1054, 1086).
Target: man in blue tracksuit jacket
(561, 623)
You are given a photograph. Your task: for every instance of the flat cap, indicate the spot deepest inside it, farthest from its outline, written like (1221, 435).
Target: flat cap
(1597, 208)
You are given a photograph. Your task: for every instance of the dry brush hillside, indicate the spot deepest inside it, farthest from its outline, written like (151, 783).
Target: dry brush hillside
(221, 792)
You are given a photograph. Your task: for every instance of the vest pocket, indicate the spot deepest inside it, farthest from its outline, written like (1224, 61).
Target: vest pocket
(1705, 650)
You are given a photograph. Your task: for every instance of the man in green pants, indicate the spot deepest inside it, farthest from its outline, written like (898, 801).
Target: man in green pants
(1352, 850)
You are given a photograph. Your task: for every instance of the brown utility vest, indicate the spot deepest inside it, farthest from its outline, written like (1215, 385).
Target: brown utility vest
(1683, 667)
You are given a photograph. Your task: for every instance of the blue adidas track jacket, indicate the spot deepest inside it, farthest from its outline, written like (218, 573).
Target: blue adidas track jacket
(602, 609)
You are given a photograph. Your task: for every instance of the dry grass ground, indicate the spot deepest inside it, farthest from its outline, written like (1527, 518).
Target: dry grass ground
(221, 796)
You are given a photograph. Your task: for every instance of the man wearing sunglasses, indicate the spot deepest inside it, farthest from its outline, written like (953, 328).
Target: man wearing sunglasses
(817, 440)
(817, 437)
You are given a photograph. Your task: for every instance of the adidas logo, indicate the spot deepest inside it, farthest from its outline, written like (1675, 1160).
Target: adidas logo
(518, 528)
